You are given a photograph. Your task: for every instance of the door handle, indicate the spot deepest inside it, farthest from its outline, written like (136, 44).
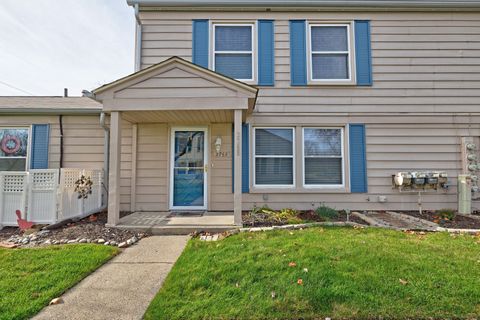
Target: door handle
(205, 168)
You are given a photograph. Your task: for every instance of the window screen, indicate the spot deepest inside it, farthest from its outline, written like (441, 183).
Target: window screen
(323, 156)
(274, 156)
(330, 55)
(233, 51)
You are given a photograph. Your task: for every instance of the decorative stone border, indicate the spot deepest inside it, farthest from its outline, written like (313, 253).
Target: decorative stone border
(371, 221)
(226, 234)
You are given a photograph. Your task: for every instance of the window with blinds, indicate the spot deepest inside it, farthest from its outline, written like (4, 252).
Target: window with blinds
(330, 52)
(323, 157)
(274, 157)
(233, 50)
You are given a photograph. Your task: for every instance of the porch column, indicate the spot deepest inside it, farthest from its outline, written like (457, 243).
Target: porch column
(237, 168)
(114, 170)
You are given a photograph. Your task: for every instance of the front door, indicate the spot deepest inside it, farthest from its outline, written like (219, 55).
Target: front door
(188, 184)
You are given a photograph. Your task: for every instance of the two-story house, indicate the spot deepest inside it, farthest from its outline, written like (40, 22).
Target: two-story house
(237, 104)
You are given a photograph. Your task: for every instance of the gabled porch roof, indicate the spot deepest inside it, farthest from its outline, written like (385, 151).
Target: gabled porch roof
(176, 85)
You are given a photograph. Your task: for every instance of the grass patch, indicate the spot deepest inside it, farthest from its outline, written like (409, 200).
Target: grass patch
(30, 278)
(352, 273)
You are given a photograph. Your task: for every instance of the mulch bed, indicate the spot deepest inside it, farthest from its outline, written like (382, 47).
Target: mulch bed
(303, 216)
(91, 228)
(458, 222)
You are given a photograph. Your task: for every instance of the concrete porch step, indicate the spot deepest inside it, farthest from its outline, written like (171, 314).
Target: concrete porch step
(178, 230)
(166, 223)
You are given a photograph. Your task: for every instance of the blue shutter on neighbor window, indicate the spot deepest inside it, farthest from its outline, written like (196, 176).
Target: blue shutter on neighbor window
(363, 55)
(200, 43)
(298, 53)
(39, 149)
(245, 158)
(266, 69)
(358, 158)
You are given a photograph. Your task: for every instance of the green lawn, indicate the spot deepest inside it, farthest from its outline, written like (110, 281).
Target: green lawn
(30, 278)
(352, 273)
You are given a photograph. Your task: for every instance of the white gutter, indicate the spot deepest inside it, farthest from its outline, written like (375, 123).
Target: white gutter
(454, 4)
(138, 39)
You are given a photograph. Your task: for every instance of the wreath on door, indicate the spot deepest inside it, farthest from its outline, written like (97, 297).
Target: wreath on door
(10, 144)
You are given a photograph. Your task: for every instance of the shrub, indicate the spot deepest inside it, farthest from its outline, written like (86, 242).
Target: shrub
(326, 212)
(446, 214)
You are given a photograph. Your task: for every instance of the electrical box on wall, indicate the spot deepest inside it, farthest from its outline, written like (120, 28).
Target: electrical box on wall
(420, 181)
(471, 165)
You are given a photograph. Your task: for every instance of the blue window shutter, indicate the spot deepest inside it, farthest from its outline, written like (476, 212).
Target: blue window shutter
(358, 158)
(200, 43)
(245, 158)
(39, 149)
(363, 55)
(266, 64)
(298, 53)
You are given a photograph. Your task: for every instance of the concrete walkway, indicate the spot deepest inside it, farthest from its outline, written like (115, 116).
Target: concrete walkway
(124, 287)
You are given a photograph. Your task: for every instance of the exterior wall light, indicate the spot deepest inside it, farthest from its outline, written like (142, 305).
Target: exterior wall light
(218, 144)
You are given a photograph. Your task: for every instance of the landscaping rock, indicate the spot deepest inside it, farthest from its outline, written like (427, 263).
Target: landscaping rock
(113, 243)
(71, 241)
(48, 242)
(122, 245)
(106, 243)
(85, 229)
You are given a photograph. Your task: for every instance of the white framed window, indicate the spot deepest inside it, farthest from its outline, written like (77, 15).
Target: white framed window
(14, 143)
(323, 157)
(274, 157)
(233, 52)
(330, 56)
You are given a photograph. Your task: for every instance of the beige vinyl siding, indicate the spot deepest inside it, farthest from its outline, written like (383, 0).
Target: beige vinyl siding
(82, 137)
(425, 97)
(427, 62)
(153, 167)
(83, 144)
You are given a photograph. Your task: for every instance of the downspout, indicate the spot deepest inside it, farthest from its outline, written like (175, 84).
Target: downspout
(138, 39)
(106, 150)
(60, 123)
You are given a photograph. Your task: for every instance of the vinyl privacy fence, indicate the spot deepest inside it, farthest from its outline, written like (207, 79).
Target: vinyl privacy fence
(48, 196)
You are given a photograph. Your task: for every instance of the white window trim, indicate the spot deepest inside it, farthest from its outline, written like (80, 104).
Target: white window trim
(29, 145)
(253, 52)
(350, 53)
(324, 186)
(293, 157)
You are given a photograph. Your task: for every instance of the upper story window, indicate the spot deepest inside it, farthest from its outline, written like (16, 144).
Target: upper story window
(233, 50)
(13, 149)
(330, 56)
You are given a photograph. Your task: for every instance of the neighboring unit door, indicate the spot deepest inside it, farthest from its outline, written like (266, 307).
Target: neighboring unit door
(188, 183)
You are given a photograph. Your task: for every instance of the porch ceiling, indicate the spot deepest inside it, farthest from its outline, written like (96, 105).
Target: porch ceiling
(180, 117)
(176, 85)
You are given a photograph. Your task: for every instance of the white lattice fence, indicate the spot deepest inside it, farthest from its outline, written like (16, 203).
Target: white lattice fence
(42, 199)
(70, 205)
(13, 192)
(42, 196)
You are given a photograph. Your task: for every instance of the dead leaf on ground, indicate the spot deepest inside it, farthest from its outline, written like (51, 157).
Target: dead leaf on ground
(300, 282)
(305, 270)
(292, 264)
(274, 295)
(56, 301)
(404, 282)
